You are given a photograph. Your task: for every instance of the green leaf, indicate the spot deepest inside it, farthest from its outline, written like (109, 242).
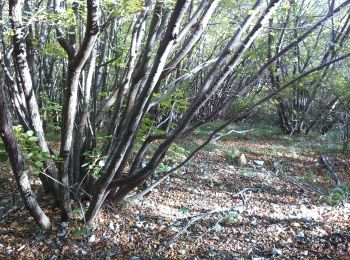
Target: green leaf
(33, 139)
(30, 133)
(39, 163)
(28, 156)
(36, 171)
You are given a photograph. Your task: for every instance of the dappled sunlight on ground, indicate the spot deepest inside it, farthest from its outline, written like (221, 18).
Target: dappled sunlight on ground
(201, 213)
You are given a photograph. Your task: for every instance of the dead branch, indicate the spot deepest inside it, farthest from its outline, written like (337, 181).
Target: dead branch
(195, 219)
(326, 161)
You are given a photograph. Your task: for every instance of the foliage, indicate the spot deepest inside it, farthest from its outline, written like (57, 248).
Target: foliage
(232, 216)
(95, 162)
(50, 111)
(231, 154)
(308, 177)
(337, 196)
(53, 49)
(33, 155)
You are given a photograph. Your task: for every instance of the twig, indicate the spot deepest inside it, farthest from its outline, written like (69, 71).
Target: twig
(210, 229)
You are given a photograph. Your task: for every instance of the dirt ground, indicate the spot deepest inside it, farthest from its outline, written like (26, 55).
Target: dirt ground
(274, 206)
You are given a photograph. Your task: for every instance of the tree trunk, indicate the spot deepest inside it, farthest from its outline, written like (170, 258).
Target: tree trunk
(25, 81)
(17, 164)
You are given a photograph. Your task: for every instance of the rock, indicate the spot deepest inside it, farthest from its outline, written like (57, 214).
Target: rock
(279, 229)
(92, 239)
(294, 224)
(62, 229)
(300, 234)
(231, 167)
(305, 253)
(53, 257)
(274, 206)
(242, 160)
(40, 237)
(58, 243)
(254, 223)
(175, 229)
(30, 219)
(259, 162)
(111, 226)
(328, 229)
(139, 224)
(5, 201)
(277, 251)
(111, 253)
(135, 258)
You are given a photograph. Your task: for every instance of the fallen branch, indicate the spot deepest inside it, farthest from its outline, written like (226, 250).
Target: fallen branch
(195, 219)
(325, 161)
(149, 189)
(303, 186)
(205, 215)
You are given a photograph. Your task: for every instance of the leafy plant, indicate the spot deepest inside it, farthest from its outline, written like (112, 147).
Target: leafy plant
(82, 232)
(79, 212)
(309, 177)
(33, 155)
(177, 154)
(184, 211)
(231, 154)
(95, 163)
(50, 111)
(337, 196)
(232, 216)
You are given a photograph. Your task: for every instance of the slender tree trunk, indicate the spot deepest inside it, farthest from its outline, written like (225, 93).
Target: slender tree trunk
(25, 81)
(118, 155)
(17, 164)
(70, 100)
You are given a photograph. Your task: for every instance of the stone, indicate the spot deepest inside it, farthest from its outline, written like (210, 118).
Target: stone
(305, 253)
(92, 239)
(277, 251)
(300, 234)
(259, 162)
(242, 160)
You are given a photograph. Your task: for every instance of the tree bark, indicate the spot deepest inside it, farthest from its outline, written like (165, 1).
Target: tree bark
(17, 164)
(70, 101)
(24, 80)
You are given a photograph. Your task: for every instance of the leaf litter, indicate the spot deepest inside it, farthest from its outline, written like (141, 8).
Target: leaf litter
(211, 209)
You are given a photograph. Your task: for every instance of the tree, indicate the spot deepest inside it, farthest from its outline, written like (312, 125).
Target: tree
(132, 74)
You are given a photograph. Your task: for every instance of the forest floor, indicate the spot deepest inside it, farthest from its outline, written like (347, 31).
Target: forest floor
(282, 203)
